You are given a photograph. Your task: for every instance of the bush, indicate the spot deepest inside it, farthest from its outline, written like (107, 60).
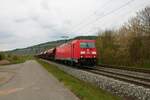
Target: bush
(2, 56)
(15, 58)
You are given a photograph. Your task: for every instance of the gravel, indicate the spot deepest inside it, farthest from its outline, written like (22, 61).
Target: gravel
(114, 86)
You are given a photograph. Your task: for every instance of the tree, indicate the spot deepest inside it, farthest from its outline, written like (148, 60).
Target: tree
(106, 46)
(144, 17)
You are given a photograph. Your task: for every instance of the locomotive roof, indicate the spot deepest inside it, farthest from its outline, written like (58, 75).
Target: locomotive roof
(75, 41)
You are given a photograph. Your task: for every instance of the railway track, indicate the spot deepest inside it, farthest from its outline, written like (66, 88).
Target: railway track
(143, 70)
(134, 77)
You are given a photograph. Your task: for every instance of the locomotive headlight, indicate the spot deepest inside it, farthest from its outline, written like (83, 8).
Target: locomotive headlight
(93, 52)
(82, 52)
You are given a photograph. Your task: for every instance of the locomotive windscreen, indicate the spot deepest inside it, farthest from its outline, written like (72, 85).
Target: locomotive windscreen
(87, 45)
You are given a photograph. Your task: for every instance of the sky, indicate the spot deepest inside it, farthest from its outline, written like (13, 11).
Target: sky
(25, 23)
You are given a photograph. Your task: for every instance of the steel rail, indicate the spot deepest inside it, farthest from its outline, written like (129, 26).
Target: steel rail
(144, 70)
(145, 82)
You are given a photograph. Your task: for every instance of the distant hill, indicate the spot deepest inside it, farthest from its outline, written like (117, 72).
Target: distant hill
(44, 46)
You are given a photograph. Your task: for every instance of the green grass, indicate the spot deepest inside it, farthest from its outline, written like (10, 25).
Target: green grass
(147, 66)
(83, 90)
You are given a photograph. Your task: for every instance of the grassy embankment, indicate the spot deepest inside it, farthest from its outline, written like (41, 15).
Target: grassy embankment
(83, 90)
(13, 59)
(20, 59)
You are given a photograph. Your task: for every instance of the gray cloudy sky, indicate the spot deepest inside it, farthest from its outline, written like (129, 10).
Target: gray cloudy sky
(28, 22)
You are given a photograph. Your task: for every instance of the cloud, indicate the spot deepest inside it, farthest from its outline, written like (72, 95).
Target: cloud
(4, 35)
(28, 22)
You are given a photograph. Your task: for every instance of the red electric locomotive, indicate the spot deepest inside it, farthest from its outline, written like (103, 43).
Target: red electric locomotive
(77, 52)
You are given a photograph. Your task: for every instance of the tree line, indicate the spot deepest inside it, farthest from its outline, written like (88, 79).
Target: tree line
(129, 45)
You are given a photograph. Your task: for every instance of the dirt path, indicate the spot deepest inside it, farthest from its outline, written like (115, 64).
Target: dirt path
(3, 62)
(33, 82)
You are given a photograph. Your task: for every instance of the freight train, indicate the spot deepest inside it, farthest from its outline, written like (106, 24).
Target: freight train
(76, 52)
